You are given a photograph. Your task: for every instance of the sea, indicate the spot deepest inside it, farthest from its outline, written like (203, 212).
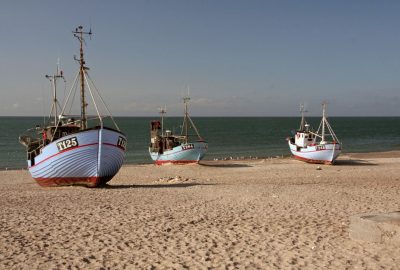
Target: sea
(227, 137)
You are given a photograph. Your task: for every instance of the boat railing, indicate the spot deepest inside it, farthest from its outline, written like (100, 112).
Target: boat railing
(326, 140)
(35, 148)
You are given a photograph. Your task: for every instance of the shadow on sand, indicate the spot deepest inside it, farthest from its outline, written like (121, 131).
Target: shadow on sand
(173, 185)
(354, 162)
(226, 165)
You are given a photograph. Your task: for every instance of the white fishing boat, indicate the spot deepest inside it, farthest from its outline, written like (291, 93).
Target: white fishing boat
(75, 149)
(321, 146)
(168, 148)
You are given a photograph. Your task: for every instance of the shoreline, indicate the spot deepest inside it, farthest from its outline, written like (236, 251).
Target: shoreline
(366, 155)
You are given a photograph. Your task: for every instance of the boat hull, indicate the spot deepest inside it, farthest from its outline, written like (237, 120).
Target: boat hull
(182, 154)
(90, 158)
(320, 154)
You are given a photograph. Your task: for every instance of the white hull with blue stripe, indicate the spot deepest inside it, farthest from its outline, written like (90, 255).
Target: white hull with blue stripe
(67, 150)
(182, 148)
(90, 157)
(182, 154)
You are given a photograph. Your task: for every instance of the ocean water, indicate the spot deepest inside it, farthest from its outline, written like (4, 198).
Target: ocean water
(226, 136)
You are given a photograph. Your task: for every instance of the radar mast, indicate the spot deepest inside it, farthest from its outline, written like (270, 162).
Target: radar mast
(79, 34)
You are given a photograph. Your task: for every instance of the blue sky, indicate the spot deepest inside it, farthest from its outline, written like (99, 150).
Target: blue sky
(239, 58)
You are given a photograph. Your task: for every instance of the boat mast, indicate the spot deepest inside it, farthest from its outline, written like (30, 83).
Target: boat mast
(187, 120)
(53, 80)
(186, 101)
(162, 111)
(303, 121)
(323, 121)
(78, 33)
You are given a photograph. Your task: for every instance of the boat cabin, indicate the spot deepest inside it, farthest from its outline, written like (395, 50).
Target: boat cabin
(35, 139)
(161, 142)
(304, 139)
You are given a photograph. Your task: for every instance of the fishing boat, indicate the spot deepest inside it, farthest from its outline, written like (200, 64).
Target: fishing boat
(168, 148)
(321, 146)
(75, 149)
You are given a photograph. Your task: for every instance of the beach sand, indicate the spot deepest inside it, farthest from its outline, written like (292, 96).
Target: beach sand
(256, 214)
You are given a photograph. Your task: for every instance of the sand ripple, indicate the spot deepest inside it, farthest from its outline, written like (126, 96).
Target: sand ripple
(275, 214)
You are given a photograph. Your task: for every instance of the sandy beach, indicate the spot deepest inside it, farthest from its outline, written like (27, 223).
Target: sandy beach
(255, 214)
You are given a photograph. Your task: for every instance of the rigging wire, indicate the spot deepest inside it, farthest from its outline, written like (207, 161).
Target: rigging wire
(102, 101)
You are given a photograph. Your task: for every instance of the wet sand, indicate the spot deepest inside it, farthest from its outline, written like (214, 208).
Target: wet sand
(252, 214)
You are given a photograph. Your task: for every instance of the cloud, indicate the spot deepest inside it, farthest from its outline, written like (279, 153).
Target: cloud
(15, 105)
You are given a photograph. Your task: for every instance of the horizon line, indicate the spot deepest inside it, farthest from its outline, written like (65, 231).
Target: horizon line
(225, 116)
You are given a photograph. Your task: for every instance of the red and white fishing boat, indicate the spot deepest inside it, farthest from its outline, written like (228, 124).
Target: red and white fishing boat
(71, 149)
(321, 146)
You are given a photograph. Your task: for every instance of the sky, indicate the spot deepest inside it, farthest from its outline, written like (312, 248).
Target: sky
(238, 58)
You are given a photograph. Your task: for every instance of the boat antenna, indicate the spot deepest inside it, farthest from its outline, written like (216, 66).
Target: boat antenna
(53, 79)
(90, 28)
(79, 34)
(162, 111)
(303, 121)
